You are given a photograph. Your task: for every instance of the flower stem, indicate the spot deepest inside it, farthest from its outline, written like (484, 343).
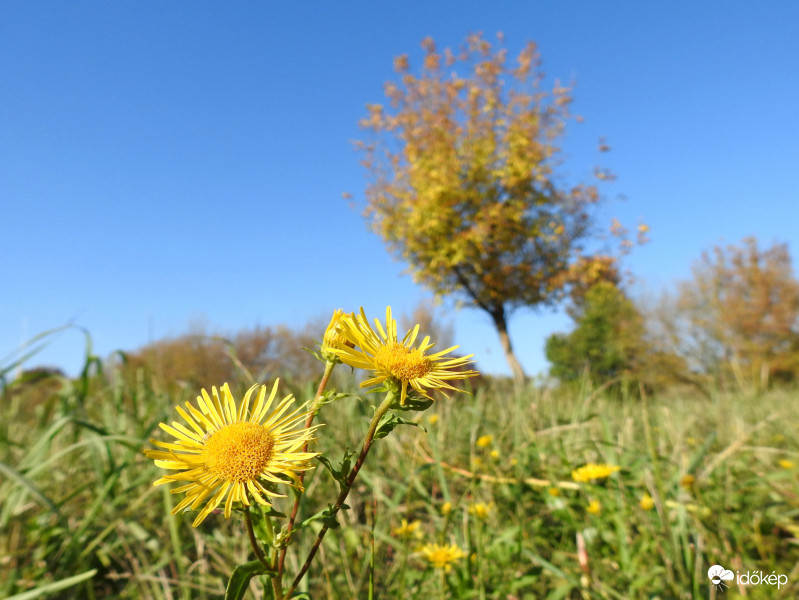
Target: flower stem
(253, 541)
(293, 516)
(367, 444)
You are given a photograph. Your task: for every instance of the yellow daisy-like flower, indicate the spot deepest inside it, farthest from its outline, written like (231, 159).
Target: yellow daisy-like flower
(554, 492)
(432, 419)
(480, 510)
(397, 360)
(233, 452)
(646, 502)
(594, 507)
(593, 471)
(687, 481)
(442, 557)
(335, 337)
(786, 464)
(484, 441)
(407, 530)
(446, 508)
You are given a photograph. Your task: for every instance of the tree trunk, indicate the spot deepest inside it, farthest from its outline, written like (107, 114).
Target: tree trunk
(502, 329)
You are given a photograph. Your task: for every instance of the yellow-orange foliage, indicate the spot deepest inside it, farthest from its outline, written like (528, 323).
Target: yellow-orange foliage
(463, 187)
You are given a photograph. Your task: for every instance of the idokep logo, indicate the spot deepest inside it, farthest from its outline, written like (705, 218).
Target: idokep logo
(718, 575)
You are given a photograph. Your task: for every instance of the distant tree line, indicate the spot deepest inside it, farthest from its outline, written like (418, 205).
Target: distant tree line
(733, 325)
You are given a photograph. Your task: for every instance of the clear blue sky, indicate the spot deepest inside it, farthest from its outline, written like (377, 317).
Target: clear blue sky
(162, 162)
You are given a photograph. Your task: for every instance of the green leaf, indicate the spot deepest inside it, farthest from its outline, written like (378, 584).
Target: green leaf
(56, 586)
(327, 516)
(388, 423)
(240, 578)
(343, 472)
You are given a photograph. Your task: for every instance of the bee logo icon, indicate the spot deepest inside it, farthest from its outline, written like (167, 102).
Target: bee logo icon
(718, 575)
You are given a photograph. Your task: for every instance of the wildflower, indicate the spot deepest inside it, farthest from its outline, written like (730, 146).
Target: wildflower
(398, 362)
(442, 557)
(593, 471)
(594, 507)
(233, 452)
(407, 530)
(335, 337)
(446, 508)
(646, 502)
(687, 481)
(432, 419)
(480, 510)
(554, 492)
(484, 441)
(514, 462)
(786, 464)
(494, 454)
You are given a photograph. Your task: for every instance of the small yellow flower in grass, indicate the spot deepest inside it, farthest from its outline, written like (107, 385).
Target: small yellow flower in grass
(446, 508)
(407, 530)
(335, 337)
(233, 452)
(554, 492)
(480, 510)
(594, 507)
(397, 360)
(432, 419)
(646, 502)
(593, 471)
(494, 454)
(786, 464)
(687, 481)
(442, 557)
(484, 441)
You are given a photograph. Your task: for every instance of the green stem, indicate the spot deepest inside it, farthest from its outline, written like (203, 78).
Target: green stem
(367, 444)
(295, 509)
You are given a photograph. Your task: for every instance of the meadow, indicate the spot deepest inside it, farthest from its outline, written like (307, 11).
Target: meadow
(701, 481)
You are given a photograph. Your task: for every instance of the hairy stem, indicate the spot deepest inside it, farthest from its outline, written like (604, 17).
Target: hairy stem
(367, 444)
(295, 509)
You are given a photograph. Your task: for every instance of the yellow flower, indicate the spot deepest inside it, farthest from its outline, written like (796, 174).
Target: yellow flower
(687, 481)
(494, 454)
(233, 452)
(335, 337)
(446, 508)
(594, 471)
(594, 507)
(480, 510)
(442, 557)
(646, 502)
(484, 441)
(786, 464)
(432, 419)
(397, 361)
(554, 492)
(407, 530)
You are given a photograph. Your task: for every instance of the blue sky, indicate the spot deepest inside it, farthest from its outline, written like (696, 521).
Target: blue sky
(168, 162)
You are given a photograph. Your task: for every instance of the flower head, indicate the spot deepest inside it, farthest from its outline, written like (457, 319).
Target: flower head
(484, 441)
(233, 452)
(594, 507)
(593, 471)
(442, 557)
(335, 338)
(480, 510)
(786, 464)
(446, 508)
(407, 530)
(397, 361)
(646, 502)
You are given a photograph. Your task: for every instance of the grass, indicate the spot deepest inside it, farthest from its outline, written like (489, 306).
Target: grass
(79, 516)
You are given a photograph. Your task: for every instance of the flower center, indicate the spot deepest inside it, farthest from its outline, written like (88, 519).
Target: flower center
(402, 362)
(239, 452)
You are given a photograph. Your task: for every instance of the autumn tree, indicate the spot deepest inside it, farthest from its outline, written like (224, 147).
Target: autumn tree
(737, 319)
(462, 180)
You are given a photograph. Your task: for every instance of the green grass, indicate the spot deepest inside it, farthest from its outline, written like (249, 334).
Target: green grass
(79, 516)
